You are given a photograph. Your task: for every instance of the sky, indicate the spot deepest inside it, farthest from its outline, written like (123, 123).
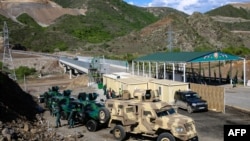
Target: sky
(187, 6)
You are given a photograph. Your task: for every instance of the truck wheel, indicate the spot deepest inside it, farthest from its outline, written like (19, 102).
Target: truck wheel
(103, 115)
(165, 137)
(119, 133)
(189, 109)
(91, 125)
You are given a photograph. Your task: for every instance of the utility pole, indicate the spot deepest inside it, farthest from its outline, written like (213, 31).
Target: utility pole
(7, 57)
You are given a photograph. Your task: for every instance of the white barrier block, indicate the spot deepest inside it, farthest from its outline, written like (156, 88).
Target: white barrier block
(248, 83)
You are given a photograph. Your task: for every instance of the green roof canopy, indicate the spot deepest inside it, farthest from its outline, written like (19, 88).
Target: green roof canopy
(182, 57)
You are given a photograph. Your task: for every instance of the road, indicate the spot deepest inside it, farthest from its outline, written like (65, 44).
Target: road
(210, 125)
(238, 97)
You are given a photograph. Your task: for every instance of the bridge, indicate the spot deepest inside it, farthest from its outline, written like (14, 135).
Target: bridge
(84, 65)
(91, 65)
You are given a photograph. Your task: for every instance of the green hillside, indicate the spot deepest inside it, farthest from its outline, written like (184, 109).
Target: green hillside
(104, 21)
(230, 11)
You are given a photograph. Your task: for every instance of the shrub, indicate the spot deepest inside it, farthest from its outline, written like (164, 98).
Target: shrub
(24, 71)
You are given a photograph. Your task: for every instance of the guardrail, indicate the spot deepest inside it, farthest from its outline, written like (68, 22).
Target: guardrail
(37, 53)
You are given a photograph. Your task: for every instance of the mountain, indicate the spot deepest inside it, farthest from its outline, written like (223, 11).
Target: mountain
(44, 12)
(236, 18)
(164, 11)
(116, 29)
(103, 20)
(231, 10)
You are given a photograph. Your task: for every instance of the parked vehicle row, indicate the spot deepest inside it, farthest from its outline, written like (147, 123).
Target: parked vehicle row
(89, 112)
(140, 113)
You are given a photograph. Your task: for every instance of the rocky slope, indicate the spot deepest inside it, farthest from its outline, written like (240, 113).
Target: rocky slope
(187, 34)
(45, 12)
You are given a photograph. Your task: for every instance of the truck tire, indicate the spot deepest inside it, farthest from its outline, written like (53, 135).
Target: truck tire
(103, 115)
(91, 125)
(189, 109)
(165, 137)
(119, 133)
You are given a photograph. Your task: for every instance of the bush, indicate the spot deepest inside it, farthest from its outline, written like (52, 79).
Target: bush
(24, 71)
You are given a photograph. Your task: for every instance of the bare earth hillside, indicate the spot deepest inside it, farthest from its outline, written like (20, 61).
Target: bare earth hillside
(42, 11)
(242, 5)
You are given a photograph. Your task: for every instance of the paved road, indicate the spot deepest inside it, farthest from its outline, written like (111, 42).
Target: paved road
(210, 125)
(238, 97)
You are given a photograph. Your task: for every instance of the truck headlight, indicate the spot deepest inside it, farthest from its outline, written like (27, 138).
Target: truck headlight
(179, 129)
(194, 104)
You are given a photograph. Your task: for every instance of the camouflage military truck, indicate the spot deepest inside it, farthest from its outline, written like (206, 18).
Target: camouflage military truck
(142, 113)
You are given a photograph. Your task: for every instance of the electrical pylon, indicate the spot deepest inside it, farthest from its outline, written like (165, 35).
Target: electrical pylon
(170, 32)
(8, 65)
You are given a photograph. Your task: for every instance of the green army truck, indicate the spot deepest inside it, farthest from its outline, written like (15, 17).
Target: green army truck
(142, 113)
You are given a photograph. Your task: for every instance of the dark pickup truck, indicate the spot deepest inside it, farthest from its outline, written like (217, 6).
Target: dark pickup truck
(190, 101)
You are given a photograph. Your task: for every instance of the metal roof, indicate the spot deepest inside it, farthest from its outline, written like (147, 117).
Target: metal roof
(168, 82)
(182, 57)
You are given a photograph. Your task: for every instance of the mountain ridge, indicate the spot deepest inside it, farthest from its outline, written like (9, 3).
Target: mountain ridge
(126, 31)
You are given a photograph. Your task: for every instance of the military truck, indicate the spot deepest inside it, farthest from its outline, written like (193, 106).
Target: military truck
(47, 96)
(143, 113)
(92, 113)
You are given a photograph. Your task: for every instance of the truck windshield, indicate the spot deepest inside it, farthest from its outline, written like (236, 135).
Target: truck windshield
(192, 95)
(165, 112)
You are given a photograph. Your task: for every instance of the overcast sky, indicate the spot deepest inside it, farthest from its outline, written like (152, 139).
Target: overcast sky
(187, 6)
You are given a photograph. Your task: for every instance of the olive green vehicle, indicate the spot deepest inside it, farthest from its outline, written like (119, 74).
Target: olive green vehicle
(142, 113)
